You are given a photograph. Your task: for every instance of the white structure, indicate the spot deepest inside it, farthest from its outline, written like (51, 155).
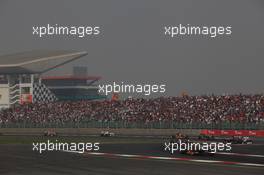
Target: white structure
(20, 80)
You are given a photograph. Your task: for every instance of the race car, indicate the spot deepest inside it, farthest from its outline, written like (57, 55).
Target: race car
(195, 150)
(192, 150)
(233, 140)
(50, 133)
(107, 134)
(238, 140)
(206, 137)
(177, 136)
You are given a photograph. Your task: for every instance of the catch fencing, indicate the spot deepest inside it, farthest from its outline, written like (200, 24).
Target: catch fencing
(138, 125)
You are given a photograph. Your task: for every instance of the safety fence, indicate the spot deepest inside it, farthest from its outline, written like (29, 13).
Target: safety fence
(139, 125)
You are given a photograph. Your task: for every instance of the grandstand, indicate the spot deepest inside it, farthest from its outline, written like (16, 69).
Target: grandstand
(188, 112)
(35, 100)
(76, 86)
(20, 75)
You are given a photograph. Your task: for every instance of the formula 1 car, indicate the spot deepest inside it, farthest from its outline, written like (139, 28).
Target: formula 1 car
(233, 140)
(192, 148)
(195, 150)
(177, 136)
(107, 134)
(206, 137)
(238, 140)
(50, 133)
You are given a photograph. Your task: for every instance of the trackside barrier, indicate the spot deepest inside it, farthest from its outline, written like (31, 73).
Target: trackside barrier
(138, 124)
(215, 132)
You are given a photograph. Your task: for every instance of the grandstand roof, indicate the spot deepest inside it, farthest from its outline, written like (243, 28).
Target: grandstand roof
(71, 77)
(36, 61)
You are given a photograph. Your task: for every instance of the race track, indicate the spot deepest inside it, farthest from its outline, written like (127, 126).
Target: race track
(20, 159)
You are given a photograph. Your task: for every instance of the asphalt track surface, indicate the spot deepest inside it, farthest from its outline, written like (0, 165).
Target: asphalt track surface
(20, 159)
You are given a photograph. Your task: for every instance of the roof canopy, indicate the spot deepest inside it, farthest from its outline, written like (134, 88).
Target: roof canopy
(36, 61)
(71, 77)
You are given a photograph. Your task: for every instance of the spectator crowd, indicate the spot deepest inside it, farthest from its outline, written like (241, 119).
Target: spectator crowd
(205, 109)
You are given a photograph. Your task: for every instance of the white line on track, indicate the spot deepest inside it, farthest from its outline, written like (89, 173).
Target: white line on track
(167, 158)
(240, 154)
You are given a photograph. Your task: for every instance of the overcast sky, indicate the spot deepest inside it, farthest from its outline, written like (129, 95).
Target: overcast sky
(132, 46)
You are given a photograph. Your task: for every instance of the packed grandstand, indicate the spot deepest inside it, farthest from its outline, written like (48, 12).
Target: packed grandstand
(205, 110)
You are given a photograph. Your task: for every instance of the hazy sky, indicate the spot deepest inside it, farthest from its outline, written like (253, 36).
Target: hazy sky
(132, 46)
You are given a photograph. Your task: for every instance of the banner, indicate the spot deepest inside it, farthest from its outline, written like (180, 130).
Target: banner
(25, 98)
(215, 132)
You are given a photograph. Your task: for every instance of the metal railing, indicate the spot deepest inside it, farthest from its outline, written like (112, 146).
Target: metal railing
(124, 124)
